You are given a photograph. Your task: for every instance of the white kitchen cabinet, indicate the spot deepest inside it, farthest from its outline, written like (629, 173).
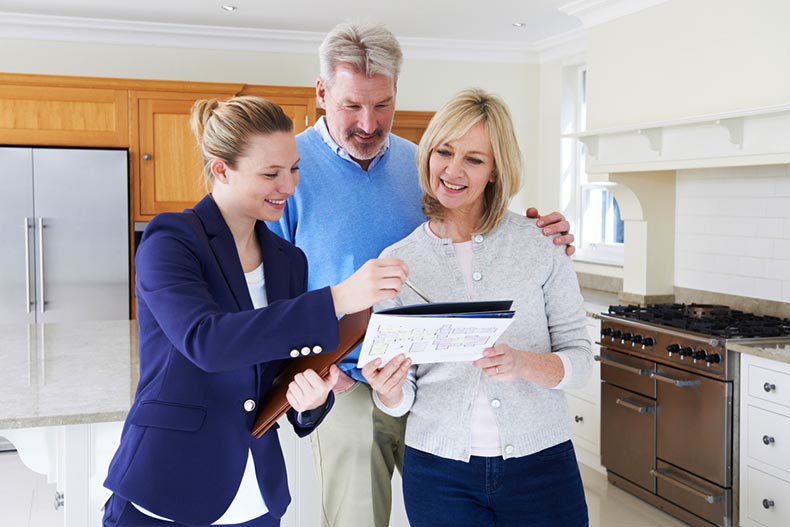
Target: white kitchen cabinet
(584, 406)
(764, 442)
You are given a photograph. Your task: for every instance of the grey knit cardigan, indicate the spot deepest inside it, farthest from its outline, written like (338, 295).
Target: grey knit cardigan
(514, 262)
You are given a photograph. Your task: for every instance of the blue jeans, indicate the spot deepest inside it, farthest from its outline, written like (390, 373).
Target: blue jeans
(540, 490)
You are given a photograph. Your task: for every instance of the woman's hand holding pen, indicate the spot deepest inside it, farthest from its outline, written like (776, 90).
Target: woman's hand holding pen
(308, 391)
(378, 279)
(388, 381)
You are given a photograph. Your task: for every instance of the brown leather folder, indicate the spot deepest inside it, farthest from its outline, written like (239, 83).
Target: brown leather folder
(352, 332)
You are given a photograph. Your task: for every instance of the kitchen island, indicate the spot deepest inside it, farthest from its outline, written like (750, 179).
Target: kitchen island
(65, 390)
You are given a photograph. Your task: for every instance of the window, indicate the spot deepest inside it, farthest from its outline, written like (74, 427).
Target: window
(590, 206)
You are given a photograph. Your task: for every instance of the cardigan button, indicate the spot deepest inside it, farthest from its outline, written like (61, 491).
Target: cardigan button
(495, 403)
(249, 405)
(294, 353)
(305, 351)
(508, 449)
(478, 238)
(317, 349)
(477, 276)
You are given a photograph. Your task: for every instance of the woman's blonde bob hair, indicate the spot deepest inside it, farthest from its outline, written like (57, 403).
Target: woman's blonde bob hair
(455, 118)
(223, 129)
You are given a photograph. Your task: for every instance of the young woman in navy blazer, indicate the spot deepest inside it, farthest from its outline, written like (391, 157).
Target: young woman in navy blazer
(221, 307)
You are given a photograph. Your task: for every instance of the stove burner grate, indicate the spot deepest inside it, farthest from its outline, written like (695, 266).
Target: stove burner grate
(715, 320)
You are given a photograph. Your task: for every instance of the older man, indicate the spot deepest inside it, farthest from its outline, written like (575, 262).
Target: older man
(358, 194)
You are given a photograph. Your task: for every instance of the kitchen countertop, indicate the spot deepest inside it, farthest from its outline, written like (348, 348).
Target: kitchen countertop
(777, 349)
(67, 373)
(598, 301)
(86, 372)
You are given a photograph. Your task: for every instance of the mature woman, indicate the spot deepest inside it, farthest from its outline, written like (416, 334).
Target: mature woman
(488, 442)
(221, 308)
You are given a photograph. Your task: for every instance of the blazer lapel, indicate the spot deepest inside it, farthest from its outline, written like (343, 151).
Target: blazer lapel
(276, 266)
(224, 249)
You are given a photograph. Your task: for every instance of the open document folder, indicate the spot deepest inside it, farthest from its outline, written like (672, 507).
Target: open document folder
(436, 332)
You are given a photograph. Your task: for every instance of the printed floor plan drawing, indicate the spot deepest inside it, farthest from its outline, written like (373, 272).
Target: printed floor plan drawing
(429, 339)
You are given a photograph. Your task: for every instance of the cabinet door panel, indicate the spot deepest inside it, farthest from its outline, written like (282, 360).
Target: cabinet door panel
(170, 163)
(67, 116)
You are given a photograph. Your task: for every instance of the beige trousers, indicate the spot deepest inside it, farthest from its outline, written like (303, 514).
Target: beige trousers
(355, 450)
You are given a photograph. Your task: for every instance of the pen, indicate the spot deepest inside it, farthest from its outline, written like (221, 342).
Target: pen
(419, 293)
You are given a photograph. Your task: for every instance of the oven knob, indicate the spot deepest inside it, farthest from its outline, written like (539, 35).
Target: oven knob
(605, 332)
(712, 358)
(616, 334)
(648, 342)
(626, 336)
(698, 355)
(673, 348)
(636, 339)
(686, 352)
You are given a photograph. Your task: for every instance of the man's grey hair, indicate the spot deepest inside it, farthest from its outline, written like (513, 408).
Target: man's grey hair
(368, 47)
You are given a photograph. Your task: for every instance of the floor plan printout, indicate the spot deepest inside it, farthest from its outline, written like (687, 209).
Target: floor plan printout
(432, 338)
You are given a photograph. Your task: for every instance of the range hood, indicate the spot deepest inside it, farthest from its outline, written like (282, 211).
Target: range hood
(640, 162)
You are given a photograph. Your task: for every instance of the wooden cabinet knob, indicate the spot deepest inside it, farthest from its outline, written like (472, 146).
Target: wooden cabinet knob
(147, 157)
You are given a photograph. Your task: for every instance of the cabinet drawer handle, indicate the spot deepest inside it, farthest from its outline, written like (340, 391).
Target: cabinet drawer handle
(626, 403)
(680, 383)
(619, 365)
(767, 440)
(767, 504)
(147, 157)
(710, 498)
(578, 418)
(768, 387)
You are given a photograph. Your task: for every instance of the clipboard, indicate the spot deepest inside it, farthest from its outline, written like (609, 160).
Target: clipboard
(352, 332)
(435, 332)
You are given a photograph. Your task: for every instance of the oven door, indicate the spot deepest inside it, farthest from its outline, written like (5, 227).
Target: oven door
(694, 494)
(694, 423)
(628, 435)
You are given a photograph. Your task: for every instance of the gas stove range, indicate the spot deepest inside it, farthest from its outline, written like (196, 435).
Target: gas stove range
(708, 319)
(667, 399)
(691, 337)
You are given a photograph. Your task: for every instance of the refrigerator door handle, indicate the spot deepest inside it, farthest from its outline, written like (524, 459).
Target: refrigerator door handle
(40, 229)
(29, 300)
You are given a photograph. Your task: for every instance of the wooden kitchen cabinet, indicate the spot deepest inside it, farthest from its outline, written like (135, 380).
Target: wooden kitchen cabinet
(166, 163)
(411, 125)
(43, 110)
(407, 124)
(297, 103)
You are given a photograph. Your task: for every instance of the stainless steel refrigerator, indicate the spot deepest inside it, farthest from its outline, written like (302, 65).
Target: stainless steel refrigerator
(64, 235)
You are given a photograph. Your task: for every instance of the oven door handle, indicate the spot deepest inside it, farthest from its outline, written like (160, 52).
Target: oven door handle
(619, 365)
(680, 383)
(710, 498)
(628, 403)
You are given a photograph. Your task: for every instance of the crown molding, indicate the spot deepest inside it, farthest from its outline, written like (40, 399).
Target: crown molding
(570, 44)
(594, 12)
(121, 32)
(107, 31)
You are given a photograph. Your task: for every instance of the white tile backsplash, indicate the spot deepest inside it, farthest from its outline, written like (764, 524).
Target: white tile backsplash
(732, 231)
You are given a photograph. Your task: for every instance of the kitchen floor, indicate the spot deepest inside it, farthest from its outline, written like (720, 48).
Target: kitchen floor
(26, 500)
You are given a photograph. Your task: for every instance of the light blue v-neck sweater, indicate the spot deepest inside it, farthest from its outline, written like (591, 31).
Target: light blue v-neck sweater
(341, 215)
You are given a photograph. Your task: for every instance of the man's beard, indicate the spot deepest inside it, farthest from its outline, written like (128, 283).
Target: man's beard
(368, 150)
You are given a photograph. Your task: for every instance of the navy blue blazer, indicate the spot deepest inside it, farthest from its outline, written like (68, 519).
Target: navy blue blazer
(204, 351)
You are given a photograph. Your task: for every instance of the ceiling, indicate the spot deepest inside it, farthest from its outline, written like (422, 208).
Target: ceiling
(465, 20)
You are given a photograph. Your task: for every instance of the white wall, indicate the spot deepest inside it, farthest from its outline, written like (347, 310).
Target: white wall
(688, 57)
(424, 84)
(733, 231)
